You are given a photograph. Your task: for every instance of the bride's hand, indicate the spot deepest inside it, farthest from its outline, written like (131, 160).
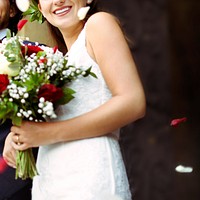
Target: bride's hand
(31, 134)
(9, 152)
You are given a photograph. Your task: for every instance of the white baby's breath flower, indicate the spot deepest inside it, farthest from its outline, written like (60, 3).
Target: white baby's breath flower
(26, 95)
(49, 112)
(42, 99)
(25, 114)
(29, 112)
(39, 111)
(23, 101)
(19, 115)
(16, 96)
(83, 73)
(77, 71)
(41, 105)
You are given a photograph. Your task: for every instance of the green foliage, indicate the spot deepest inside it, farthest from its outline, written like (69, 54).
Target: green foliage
(67, 97)
(9, 111)
(89, 72)
(13, 51)
(34, 13)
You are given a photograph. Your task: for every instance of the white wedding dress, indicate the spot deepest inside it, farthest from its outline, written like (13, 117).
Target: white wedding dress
(87, 169)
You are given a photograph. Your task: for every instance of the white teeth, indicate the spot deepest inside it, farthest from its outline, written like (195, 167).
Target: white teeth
(61, 11)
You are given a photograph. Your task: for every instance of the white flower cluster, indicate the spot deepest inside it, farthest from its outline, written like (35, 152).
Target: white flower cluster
(28, 74)
(30, 67)
(27, 114)
(52, 64)
(46, 108)
(9, 52)
(57, 63)
(10, 40)
(17, 92)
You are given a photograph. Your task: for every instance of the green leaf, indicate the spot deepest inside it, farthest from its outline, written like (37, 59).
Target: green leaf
(8, 33)
(15, 65)
(88, 72)
(34, 13)
(67, 97)
(34, 80)
(30, 11)
(16, 120)
(41, 54)
(3, 112)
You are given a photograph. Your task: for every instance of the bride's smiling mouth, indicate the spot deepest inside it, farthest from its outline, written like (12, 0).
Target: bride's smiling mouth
(63, 10)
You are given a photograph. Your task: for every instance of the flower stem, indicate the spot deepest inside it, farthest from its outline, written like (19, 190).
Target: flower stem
(25, 165)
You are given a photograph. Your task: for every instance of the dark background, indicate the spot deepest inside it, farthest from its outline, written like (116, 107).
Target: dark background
(165, 37)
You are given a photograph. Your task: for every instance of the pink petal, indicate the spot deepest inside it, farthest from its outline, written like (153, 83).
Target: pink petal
(55, 49)
(3, 165)
(42, 60)
(176, 122)
(21, 23)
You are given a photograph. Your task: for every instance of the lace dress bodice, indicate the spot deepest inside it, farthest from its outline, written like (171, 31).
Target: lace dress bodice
(90, 92)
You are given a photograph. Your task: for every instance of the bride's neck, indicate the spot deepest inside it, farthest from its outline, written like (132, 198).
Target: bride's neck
(70, 35)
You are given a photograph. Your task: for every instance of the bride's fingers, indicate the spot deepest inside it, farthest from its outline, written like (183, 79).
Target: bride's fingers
(11, 164)
(10, 159)
(19, 146)
(18, 142)
(16, 138)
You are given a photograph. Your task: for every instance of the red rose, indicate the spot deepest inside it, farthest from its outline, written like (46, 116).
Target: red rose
(30, 49)
(4, 81)
(50, 92)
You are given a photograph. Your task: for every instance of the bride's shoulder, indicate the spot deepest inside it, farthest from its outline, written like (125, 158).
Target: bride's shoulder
(101, 21)
(101, 16)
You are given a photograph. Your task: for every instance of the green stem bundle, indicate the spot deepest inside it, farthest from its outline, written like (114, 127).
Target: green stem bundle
(25, 165)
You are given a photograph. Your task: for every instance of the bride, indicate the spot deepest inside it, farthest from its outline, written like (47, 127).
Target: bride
(79, 156)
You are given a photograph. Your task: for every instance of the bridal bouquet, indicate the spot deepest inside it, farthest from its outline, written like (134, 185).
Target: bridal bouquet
(34, 80)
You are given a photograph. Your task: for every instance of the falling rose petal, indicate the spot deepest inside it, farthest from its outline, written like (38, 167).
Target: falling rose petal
(3, 165)
(176, 122)
(82, 12)
(21, 24)
(23, 5)
(55, 49)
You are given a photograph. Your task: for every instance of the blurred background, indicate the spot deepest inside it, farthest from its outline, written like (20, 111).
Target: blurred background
(165, 37)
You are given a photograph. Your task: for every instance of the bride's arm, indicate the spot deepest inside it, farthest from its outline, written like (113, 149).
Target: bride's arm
(107, 45)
